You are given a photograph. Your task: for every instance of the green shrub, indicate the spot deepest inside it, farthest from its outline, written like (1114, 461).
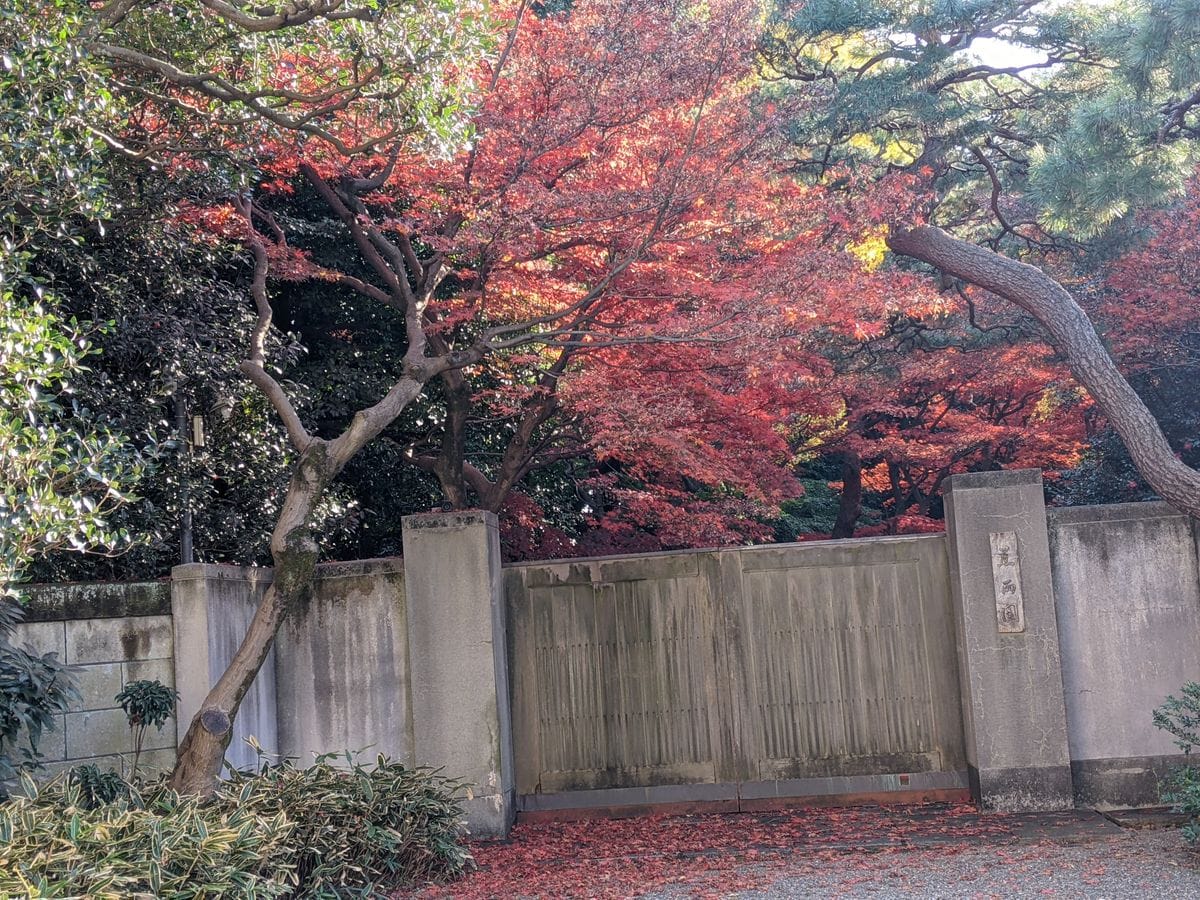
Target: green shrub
(33, 691)
(145, 703)
(96, 788)
(360, 828)
(318, 832)
(1181, 717)
(52, 845)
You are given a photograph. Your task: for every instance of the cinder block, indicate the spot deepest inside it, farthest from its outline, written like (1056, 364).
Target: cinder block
(42, 638)
(114, 640)
(97, 733)
(160, 670)
(152, 762)
(161, 740)
(52, 745)
(98, 685)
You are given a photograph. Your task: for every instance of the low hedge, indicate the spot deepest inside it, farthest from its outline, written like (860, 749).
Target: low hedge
(324, 831)
(359, 827)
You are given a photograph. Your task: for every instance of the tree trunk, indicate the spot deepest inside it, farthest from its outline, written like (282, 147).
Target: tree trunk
(452, 458)
(1072, 332)
(899, 501)
(519, 453)
(294, 552)
(850, 502)
(1075, 337)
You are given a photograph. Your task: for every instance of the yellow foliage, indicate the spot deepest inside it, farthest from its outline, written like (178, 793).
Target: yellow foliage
(871, 248)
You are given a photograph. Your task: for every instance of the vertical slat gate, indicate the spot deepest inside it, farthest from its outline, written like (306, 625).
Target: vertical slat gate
(755, 665)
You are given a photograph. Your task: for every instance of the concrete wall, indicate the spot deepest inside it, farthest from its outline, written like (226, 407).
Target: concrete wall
(1127, 596)
(112, 634)
(404, 659)
(735, 675)
(337, 678)
(341, 666)
(212, 607)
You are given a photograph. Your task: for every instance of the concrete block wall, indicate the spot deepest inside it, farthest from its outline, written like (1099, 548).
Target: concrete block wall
(211, 607)
(737, 677)
(337, 678)
(405, 659)
(111, 634)
(1127, 596)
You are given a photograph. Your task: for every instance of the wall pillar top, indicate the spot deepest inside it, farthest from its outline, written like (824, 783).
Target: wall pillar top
(1003, 478)
(458, 518)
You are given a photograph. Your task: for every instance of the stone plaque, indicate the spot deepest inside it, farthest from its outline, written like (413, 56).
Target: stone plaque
(1006, 575)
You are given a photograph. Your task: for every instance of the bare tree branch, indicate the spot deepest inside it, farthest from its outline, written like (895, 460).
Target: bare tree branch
(254, 365)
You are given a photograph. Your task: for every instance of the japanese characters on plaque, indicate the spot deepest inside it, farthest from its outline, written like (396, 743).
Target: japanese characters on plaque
(1006, 574)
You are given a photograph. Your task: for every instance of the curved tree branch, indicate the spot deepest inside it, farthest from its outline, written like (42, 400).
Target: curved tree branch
(1072, 332)
(254, 366)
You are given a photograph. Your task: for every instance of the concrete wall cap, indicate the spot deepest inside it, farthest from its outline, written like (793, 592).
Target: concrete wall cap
(694, 551)
(1110, 512)
(98, 600)
(354, 568)
(456, 519)
(221, 572)
(971, 481)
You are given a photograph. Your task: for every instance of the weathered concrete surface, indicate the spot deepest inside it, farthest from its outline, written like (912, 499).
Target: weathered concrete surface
(341, 666)
(1127, 591)
(123, 633)
(732, 797)
(95, 600)
(98, 684)
(1014, 716)
(104, 640)
(827, 668)
(212, 606)
(792, 666)
(1129, 782)
(458, 666)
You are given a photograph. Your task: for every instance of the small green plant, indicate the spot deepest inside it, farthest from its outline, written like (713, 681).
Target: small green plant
(1181, 789)
(145, 703)
(97, 787)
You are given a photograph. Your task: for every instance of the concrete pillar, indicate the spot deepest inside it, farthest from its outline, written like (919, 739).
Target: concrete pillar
(1013, 713)
(211, 608)
(458, 659)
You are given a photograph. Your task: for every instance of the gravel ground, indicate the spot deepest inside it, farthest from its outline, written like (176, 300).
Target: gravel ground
(1135, 864)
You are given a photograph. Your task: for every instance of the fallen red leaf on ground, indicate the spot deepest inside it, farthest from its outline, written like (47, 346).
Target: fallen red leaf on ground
(619, 858)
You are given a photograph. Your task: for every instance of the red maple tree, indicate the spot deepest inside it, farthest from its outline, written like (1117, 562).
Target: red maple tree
(934, 392)
(622, 231)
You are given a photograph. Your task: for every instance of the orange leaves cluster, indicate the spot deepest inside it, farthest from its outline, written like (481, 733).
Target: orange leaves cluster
(1153, 296)
(917, 417)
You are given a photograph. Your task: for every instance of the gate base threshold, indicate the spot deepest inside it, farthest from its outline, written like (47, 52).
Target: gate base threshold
(746, 796)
